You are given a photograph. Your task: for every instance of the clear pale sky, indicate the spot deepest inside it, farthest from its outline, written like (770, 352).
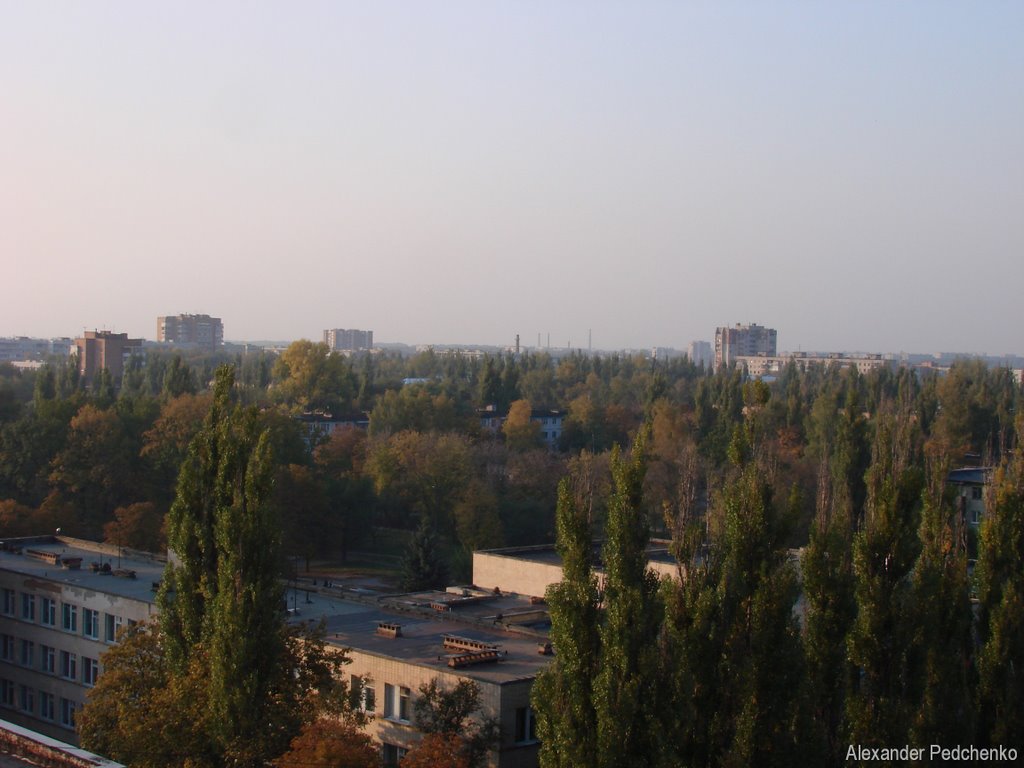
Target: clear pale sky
(850, 173)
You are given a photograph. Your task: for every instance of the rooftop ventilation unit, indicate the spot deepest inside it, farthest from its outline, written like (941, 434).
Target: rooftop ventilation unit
(474, 657)
(389, 629)
(456, 643)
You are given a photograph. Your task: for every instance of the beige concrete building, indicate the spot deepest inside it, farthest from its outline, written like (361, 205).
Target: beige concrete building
(743, 341)
(200, 331)
(531, 570)
(62, 602)
(399, 643)
(348, 339)
(758, 366)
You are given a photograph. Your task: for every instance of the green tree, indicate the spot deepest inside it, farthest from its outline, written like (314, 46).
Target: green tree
(456, 713)
(943, 619)
(563, 694)
(880, 644)
(423, 566)
(626, 696)
(1000, 581)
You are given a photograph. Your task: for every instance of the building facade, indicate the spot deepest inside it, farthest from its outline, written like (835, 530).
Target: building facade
(759, 366)
(97, 350)
(62, 603)
(743, 341)
(348, 340)
(22, 348)
(200, 331)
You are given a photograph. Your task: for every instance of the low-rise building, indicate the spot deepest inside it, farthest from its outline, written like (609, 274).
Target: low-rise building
(62, 602)
(759, 366)
(399, 643)
(551, 423)
(969, 484)
(531, 570)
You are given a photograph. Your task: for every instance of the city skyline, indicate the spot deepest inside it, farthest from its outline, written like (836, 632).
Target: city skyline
(456, 173)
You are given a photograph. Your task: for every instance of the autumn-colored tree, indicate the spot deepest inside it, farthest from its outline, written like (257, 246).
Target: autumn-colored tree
(437, 750)
(138, 526)
(308, 376)
(521, 432)
(331, 742)
(95, 469)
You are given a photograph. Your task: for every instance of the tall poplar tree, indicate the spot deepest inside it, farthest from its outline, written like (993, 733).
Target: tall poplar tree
(626, 690)
(562, 694)
(220, 600)
(190, 580)
(879, 708)
(943, 618)
(1000, 579)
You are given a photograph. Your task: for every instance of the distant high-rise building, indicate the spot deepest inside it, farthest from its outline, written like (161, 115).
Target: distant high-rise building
(700, 353)
(743, 341)
(194, 330)
(348, 339)
(103, 349)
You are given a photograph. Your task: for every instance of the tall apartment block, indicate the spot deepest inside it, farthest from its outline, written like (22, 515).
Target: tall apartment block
(743, 341)
(102, 349)
(699, 353)
(194, 330)
(348, 339)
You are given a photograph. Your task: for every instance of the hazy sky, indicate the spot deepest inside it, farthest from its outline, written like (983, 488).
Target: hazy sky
(850, 173)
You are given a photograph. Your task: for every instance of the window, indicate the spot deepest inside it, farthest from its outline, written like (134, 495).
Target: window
(28, 607)
(363, 697)
(393, 754)
(67, 712)
(48, 659)
(389, 700)
(8, 602)
(91, 623)
(69, 617)
(403, 703)
(6, 693)
(976, 493)
(526, 726)
(46, 708)
(68, 665)
(28, 650)
(47, 611)
(112, 627)
(369, 699)
(26, 699)
(6, 647)
(90, 670)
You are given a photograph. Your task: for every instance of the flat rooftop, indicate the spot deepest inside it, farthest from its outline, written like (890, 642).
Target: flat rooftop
(511, 624)
(98, 566)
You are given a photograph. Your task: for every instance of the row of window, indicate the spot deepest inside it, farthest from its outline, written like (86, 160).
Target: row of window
(50, 660)
(69, 613)
(24, 698)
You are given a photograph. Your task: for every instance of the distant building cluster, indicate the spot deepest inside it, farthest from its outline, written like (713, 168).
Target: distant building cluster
(24, 348)
(201, 331)
(743, 341)
(348, 340)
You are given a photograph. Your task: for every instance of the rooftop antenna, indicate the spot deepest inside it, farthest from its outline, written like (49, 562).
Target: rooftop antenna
(590, 340)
